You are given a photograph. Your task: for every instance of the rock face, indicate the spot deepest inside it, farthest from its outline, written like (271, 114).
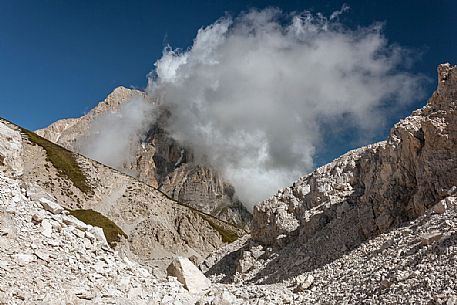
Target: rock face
(10, 151)
(204, 189)
(160, 161)
(66, 132)
(144, 223)
(375, 226)
(369, 190)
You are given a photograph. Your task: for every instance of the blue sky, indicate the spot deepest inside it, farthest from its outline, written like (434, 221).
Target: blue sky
(59, 58)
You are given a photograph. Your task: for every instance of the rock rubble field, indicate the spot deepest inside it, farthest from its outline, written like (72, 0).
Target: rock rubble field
(50, 257)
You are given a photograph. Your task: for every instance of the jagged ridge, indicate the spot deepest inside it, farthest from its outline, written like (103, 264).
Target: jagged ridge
(159, 161)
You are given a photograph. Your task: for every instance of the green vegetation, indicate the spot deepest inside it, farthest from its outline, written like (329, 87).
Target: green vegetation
(228, 231)
(112, 232)
(63, 160)
(228, 236)
(65, 163)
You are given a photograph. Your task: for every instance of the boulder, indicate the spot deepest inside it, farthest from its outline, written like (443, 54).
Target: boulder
(429, 238)
(10, 150)
(46, 228)
(245, 263)
(73, 221)
(188, 275)
(224, 297)
(303, 282)
(51, 206)
(24, 259)
(99, 234)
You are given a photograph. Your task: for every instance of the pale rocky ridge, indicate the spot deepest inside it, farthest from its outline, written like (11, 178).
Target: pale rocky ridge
(158, 228)
(374, 187)
(49, 257)
(159, 161)
(376, 226)
(336, 222)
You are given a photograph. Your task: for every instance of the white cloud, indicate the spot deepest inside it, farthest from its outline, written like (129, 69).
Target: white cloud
(251, 94)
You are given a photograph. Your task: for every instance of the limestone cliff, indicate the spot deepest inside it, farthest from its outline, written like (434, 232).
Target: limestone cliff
(375, 226)
(371, 189)
(160, 161)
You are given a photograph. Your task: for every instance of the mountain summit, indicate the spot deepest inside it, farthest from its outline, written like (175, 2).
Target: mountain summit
(158, 160)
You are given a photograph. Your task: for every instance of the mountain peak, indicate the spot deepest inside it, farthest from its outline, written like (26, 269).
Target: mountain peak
(447, 81)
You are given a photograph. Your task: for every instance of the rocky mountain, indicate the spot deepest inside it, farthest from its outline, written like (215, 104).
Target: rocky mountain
(374, 188)
(159, 161)
(72, 231)
(375, 226)
(142, 221)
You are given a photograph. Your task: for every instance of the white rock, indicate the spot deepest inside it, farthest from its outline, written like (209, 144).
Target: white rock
(46, 228)
(24, 259)
(143, 272)
(245, 263)
(10, 149)
(3, 264)
(303, 282)
(129, 263)
(37, 217)
(79, 233)
(188, 275)
(56, 225)
(136, 292)
(429, 238)
(452, 300)
(124, 283)
(99, 234)
(224, 298)
(86, 294)
(451, 202)
(11, 208)
(99, 267)
(51, 206)
(73, 221)
(54, 243)
(41, 254)
(90, 236)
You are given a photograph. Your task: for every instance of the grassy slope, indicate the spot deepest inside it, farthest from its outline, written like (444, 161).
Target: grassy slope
(63, 160)
(228, 235)
(112, 232)
(65, 163)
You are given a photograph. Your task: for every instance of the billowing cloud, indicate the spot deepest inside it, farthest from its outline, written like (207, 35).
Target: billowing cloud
(253, 92)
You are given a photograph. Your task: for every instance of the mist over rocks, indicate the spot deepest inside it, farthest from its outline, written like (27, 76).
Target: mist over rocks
(114, 135)
(375, 187)
(163, 195)
(126, 131)
(375, 226)
(250, 97)
(251, 94)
